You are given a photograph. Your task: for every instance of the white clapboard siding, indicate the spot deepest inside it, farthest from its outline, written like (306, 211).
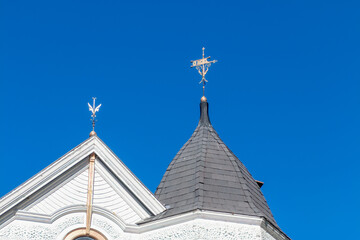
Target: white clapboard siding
(106, 197)
(72, 193)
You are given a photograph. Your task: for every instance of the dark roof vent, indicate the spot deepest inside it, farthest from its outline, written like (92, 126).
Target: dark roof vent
(260, 184)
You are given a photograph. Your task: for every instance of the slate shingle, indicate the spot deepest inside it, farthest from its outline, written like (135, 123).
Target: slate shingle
(206, 175)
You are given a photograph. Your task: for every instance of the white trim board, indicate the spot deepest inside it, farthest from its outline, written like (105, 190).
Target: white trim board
(106, 160)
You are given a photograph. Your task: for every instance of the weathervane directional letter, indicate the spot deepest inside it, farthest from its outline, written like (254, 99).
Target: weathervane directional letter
(202, 65)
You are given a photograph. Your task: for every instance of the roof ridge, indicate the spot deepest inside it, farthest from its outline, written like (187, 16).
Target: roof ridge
(203, 154)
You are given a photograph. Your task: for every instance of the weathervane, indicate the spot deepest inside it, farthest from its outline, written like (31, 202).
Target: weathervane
(202, 65)
(93, 109)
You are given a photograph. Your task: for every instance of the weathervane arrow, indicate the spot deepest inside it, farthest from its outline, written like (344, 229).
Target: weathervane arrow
(202, 65)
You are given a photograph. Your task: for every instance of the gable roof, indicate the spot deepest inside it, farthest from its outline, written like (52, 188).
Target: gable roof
(59, 170)
(206, 175)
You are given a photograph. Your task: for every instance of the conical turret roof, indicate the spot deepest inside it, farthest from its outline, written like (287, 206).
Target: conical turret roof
(206, 175)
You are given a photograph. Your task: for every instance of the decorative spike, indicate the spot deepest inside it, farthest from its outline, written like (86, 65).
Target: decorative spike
(93, 109)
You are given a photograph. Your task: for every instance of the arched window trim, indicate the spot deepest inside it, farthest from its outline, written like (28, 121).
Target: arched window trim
(81, 232)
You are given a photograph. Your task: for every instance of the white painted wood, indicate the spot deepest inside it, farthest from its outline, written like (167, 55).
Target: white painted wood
(68, 161)
(72, 193)
(105, 196)
(121, 191)
(108, 194)
(126, 176)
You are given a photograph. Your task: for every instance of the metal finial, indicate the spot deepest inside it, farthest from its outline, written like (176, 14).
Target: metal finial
(93, 109)
(202, 65)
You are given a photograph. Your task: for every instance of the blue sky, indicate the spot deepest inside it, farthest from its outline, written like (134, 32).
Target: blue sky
(284, 95)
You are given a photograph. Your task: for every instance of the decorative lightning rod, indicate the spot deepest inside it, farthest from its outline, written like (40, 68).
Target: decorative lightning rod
(202, 65)
(93, 109)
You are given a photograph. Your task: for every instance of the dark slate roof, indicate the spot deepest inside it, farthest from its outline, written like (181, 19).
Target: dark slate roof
(206, 175)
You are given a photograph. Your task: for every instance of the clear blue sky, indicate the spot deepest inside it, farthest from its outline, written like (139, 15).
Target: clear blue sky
(284, 96)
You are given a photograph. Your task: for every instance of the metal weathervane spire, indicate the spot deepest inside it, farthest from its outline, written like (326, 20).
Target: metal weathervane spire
(202, 65)
(93, 109)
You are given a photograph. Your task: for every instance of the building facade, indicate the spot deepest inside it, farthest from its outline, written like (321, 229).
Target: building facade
(206, 193)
